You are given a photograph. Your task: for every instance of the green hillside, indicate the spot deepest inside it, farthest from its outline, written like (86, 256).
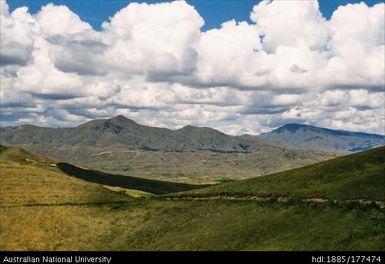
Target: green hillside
(149, 224)
(23, 172)
(356, 176)
(30, 180)
(23, 156)
(43, 208)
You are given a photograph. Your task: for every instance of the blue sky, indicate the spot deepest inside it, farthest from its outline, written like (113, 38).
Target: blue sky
(214, 12)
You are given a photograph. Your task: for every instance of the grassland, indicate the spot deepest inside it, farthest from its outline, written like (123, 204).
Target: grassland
(185, 167)
(150, 224)
(30, 180)
(357, 176)
(42, 208)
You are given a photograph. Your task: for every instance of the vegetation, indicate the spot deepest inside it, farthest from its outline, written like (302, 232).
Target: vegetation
(43, 208)
(357, 176)
(185, 167)
(127, 182)
(151, 224)
(30, 180)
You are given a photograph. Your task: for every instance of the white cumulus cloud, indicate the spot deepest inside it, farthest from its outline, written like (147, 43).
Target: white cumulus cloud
(155, 64)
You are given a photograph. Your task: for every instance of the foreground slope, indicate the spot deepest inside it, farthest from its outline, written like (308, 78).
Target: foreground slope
(356, 176)
(30, 180)
(45, 209)
(148, 224)
(311, 137)
(31, 177)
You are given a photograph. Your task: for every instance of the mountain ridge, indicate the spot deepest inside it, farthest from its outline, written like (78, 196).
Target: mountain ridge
(339, 131)
(190, 154)
(326, 139)
(127, 133)
(124, 132)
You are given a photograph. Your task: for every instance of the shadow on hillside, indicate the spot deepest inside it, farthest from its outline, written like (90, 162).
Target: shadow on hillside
(128, 182)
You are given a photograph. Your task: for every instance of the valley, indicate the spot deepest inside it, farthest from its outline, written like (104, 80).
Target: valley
(191, 155)
(43, 207)
(192, 126)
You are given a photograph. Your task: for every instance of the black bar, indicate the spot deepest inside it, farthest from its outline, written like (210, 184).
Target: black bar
(114, 257)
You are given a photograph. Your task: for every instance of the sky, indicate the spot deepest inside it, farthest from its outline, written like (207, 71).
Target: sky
(214, 12)
(237, 66)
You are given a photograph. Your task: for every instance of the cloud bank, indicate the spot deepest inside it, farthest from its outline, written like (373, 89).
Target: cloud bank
(153, 63)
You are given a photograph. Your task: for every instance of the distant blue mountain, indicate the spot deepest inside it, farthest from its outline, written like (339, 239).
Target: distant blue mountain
(311, 137)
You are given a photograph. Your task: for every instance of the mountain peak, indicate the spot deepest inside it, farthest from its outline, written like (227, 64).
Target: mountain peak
(187, 127)
(292, 127)
(200, 130)
(120, 120)
(115, 122)
(312, 137)
(119, 117)
(190, 127)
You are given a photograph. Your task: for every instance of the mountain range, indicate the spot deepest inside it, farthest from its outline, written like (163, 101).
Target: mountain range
(311, 137)
(125, 133)
(122, 132)
(195, 155)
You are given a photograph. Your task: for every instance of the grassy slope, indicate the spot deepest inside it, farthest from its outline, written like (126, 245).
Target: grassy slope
(157, 224)
(357, 176)
(148, 224)
(27, 180)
